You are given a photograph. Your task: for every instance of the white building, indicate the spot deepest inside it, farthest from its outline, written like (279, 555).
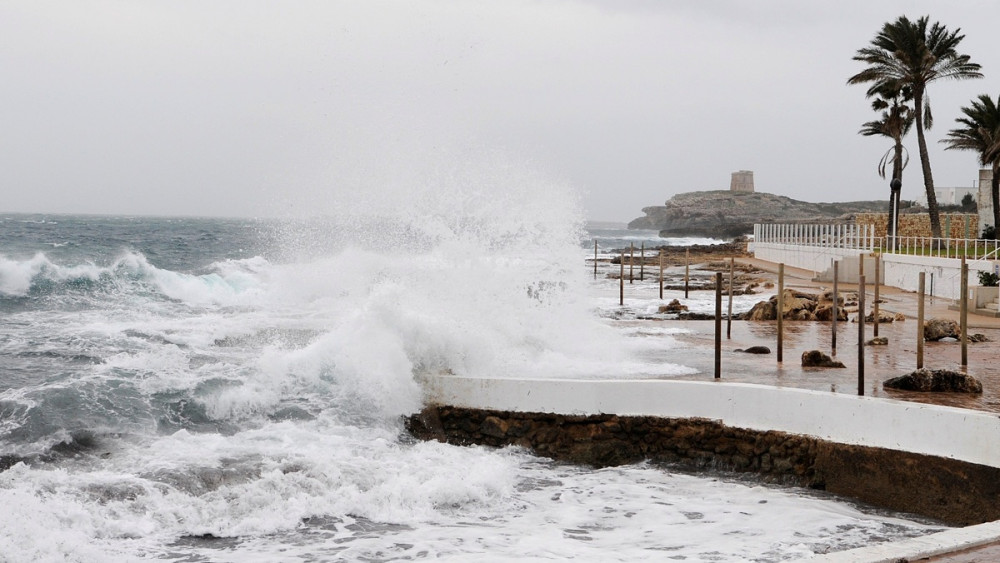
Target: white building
(951, 196)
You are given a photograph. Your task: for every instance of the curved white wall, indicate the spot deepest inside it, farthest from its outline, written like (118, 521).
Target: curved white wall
(961, 434)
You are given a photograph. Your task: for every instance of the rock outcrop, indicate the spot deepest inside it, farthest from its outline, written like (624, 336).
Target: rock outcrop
(754, 350)
(884, 317)
(935, 380)
(726, 214)
(798, 306)
(936, 329)
(817, 359)
(673, 307)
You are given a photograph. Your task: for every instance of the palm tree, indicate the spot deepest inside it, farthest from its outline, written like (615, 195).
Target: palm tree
(980, 132)
(894, 122)
(908, 53)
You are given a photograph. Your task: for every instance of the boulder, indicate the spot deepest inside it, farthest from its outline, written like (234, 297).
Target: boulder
(977, 337)
(694, 316)
(827, 297)
(936, 329)
(755, 350)
(825, 313)
(815, 358)
(673, 307)
(795, 301)
(884, 317)
(936, 380)
(763, 311)
(878, 341)
(797, 306)
(801, 315)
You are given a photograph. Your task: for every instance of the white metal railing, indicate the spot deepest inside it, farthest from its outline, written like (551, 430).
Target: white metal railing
(971, 249)
(832, 236)
(862, 237)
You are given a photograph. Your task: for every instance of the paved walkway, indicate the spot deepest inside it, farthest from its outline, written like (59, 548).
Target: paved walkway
(897, 300)
(906, 302)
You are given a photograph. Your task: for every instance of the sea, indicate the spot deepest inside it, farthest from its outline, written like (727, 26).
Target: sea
(204, 389)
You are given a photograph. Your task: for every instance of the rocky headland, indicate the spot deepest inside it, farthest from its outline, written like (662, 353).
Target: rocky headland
(727, 214)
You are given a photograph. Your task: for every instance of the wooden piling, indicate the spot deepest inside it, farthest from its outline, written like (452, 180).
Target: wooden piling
(729, 314)
(920, 320)
(963, 315)
(687, 269)
(621, 281)
(781, 309)
(861, 287)
(861, 335)
(836, 310)
(875, 299)
(718, 325)
(642, 262)
(661, 274)
(631, 260)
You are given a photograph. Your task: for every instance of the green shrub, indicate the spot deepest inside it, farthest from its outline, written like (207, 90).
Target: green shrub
(988, 279)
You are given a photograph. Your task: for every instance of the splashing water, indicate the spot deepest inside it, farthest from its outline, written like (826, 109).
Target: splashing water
(222, 390)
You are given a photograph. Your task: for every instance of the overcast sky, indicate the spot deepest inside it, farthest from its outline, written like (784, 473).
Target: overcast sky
(239, 108)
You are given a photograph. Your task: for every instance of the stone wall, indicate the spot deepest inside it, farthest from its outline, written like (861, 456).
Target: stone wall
(957, 492)
(953, 225)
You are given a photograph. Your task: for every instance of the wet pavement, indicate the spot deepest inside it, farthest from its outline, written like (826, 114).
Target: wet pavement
(897, 358)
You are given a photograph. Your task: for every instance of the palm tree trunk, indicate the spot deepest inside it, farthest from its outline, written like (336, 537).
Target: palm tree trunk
(897, 174)
(995, 193)
(925, 162)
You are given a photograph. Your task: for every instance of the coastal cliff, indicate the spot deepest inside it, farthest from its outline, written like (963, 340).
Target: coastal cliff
(725, 214)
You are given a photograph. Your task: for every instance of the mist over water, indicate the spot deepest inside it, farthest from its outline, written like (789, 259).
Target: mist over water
(231, 390)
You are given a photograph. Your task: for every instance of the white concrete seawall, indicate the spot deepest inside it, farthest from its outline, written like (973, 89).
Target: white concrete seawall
(943, 275)
(948, 432)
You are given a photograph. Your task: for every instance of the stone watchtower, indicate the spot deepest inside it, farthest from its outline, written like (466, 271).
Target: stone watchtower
(985, 197)
(742, 181)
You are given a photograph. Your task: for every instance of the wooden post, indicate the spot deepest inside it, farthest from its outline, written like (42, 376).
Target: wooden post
(621, 281)
(642, 262)
(861, 287)
(920, 320)
(861, 335)
(836, 310)
(661, 274)
(687, 268)
(781, 308)
(963, 315)
(631, 260)
(729, 314)
(875, 301)
(595, 258)
(718, 325)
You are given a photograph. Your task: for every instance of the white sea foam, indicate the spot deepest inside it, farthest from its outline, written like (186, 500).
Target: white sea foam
(258, 400)
(426, 500)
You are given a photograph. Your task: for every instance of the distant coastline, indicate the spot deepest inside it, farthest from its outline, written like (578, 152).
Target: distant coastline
(728, 214)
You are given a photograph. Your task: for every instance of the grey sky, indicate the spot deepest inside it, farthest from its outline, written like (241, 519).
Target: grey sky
(250, 108)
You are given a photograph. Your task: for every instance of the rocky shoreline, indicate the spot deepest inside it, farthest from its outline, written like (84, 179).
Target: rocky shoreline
(724, 213)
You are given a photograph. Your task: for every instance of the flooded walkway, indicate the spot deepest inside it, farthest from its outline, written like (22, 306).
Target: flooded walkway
(880, 362)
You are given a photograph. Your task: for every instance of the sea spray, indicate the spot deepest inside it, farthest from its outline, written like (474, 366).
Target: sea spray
(180, 389)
